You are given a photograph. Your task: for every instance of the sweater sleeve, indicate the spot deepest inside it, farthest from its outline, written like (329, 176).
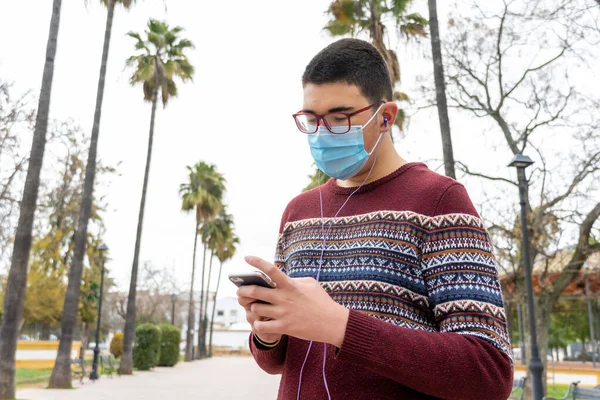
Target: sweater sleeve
(269, 360)
(469, 356)
(272, 360)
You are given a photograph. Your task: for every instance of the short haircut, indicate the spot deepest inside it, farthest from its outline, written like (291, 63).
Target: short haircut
(355, 62)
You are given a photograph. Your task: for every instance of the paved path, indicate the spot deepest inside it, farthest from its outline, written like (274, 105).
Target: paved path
(214, 379)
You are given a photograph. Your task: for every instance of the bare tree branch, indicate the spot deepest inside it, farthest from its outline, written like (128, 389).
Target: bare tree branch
(467, 171)
(502, 229)
(470, 95)
(585, 171)
(506, 131)
(6, 187)
(582, 252)
(530, 70)
(499, 54)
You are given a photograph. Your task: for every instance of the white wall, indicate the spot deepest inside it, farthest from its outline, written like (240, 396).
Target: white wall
(228, 312)
(230, 329)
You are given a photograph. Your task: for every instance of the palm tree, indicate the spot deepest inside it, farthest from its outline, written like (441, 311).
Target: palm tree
(226, 249)
(14, 295)
(209, 237)
(61, 374)
(212, 236)
(440, 90)
(202, 194)
(353, 17)
(316, 179)
(218, 191)
(159, 59)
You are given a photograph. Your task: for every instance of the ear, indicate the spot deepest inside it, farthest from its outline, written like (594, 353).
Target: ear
(389, 111)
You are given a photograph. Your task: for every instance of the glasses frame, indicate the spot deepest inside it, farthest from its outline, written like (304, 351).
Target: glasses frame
(322, 118)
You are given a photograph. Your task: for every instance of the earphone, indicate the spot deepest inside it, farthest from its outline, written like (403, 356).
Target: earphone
(385, 121)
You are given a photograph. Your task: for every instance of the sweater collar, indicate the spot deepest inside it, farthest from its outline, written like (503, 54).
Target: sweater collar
(335, 188)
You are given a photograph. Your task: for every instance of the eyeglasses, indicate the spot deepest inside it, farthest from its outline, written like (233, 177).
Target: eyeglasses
(336, 122)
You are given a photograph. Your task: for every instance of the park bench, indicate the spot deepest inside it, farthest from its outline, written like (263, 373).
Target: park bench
(575, 393)
(107, 365)
(520, 384)
(78, 369)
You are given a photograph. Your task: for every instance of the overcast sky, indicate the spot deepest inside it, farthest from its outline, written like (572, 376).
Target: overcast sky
(249, 58)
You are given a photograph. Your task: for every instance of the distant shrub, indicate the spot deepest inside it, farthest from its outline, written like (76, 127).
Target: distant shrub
(146, 347)
(116, 345)
(169, 345)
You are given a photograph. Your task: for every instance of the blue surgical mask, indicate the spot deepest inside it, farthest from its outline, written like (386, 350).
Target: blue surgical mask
(341, 156)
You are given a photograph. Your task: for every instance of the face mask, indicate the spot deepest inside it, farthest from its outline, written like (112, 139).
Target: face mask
(341, 156)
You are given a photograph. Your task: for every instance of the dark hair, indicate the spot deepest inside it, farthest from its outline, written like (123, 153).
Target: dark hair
(355, 62)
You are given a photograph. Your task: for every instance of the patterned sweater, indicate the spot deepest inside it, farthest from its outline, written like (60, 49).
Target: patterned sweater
(411, 259)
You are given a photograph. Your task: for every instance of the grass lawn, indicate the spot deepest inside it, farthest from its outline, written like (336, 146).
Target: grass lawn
(26, 375)
(557, 391)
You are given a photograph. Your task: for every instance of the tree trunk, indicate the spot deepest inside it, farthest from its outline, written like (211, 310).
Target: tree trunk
(126, 366)
(201, 341)
(189, 344)
(440, 90)
(14, 295)
(376, 33)
(84, 339)
(522, 338)
(543, 312)
(509, 323)
(597, 322)
(212, 318)
(207, 298)
(590, 319)
(45, 332)
(544, 315)
(61, 374)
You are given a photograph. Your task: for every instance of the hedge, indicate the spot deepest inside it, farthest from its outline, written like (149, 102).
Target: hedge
(116, 345)
(146, 347)
(169, 346)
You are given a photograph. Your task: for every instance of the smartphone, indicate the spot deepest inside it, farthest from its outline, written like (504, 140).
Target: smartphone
(258, 278)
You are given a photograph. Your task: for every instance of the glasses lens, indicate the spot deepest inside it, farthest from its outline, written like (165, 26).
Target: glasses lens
(337, 123)
(307, 123)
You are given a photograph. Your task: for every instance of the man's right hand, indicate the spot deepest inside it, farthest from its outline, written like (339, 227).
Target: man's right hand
(247, 302)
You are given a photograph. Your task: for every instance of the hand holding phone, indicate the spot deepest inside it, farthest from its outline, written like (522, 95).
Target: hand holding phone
(258, 278)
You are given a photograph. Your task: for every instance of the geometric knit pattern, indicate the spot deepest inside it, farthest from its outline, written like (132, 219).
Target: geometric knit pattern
(436, 274)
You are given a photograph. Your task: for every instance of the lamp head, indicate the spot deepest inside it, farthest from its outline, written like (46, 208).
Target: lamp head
(521, 161)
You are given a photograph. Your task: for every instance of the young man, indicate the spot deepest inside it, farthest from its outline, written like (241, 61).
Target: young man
(387, 287)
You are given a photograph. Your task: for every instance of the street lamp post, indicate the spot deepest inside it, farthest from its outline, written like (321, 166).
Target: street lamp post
(590, 314)
(94, 375)
(173, 300)
(521, 162)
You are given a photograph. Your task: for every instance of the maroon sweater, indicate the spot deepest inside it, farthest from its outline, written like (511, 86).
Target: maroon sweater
(411, 259)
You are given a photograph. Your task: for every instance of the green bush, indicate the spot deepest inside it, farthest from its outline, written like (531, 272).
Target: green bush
(169, 345)
(116, 345)
(146, 347)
